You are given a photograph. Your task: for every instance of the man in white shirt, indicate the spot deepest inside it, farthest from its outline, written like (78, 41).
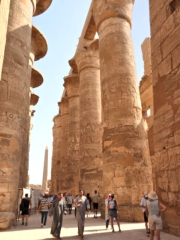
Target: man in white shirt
(143, 205)
(95, 197)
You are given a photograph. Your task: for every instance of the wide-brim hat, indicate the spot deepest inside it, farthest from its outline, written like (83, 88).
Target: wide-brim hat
(146, 194)
(152, 195)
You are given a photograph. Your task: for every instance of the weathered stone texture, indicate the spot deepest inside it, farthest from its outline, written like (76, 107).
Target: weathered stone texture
(126, 161)
(4, 15)
(72, 87)
(165, 31)
(87, 61)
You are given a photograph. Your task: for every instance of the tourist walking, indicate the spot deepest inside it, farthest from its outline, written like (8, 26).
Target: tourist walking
(143, 205)
(43, 208)
(81, 205)
(24, 207)
(70, 201)
(89, 204)
(106, 210)
(95, 197)
(112, 207)
(57, 212)
(154, 208)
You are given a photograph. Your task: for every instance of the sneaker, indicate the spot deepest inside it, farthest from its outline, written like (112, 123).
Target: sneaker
(147, 234)
(44, 226)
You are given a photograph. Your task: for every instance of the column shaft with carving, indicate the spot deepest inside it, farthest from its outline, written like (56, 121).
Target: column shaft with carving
(126, 161)
(72, 87)
(87, 61)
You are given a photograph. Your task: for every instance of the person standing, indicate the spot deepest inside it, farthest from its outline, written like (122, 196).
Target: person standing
(143, 205)
(89, 202)
(81, 205)
(106, 210)
(25, 203)
(59, 207)
(95, 197)
(154, 208)
(43, 208)
(112, 207)
(70, 201)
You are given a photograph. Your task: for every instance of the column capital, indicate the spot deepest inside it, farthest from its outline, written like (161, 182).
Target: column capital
(39, 45)
(64, 106)
(71, 83)
(87, 57)
(34, 99)
(36, 78)
(103, 10)
(41, 6)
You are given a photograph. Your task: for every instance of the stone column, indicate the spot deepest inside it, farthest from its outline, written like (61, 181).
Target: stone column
(72, 87)
(14, 105)
(87, 61)
(62, 177)
(126, 161)
(58, 152)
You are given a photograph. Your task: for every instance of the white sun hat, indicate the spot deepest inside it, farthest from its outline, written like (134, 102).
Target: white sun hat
(152, 195)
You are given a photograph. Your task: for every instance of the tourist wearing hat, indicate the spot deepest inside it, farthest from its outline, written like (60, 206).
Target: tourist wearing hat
(154, 208)
(143, 205)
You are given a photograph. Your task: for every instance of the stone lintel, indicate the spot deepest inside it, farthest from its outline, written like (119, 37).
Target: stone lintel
(103, 11)
(34, 99)
(71, 83)
(36, 78)
(39, 45)
(145, 82)
(42, 6)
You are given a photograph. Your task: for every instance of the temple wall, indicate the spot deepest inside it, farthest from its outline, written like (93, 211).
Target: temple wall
(165, 45)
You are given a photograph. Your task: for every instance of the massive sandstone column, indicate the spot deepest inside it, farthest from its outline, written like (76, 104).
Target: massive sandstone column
(72, 87)
(165, 47)
(126, 161)
(14, 103)
(87, 61)
(62, 176)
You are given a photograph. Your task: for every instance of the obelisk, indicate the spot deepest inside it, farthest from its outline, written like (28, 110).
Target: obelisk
(45, 170)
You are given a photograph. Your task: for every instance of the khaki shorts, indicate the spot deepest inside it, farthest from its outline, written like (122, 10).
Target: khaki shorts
(155, 223)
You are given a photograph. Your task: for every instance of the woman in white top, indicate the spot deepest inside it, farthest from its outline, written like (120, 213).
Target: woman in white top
(153, 210)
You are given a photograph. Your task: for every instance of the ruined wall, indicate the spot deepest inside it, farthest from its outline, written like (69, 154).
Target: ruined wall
(4, 15)
(165, 45)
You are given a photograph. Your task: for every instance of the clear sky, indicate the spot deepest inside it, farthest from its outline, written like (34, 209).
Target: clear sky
(62, 24)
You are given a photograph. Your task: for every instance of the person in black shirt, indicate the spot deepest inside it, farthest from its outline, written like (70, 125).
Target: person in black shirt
(25, 203)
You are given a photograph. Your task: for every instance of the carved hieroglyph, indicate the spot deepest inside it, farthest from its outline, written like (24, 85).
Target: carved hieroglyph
(62, 177)
(165, 45)
(126, 161)
(72, 87)
(87, 61)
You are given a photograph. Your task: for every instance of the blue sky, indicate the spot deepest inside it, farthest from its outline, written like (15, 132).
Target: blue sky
(62, 24)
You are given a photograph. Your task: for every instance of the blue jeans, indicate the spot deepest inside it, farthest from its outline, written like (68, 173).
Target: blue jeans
(44, 217)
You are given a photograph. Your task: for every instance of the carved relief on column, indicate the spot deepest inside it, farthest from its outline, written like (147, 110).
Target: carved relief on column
(64, 108)
(126, 161)
(72, 87)
(87, 61)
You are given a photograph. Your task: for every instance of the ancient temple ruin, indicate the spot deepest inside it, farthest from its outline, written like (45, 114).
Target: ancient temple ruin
(20, 45)
(119, 137)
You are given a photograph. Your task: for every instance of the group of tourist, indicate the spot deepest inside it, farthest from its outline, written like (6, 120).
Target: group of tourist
(60, 204)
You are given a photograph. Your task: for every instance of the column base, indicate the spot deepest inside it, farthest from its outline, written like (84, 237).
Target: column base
(7, 219)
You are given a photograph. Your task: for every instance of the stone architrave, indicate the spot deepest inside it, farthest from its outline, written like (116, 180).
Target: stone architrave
(165, 50)
(14, 105)
(71, 84)
(62, 178)
(87, 61)
(126, 161)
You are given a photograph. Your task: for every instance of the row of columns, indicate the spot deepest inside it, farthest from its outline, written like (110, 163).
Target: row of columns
(113, 151)
(24, 45)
